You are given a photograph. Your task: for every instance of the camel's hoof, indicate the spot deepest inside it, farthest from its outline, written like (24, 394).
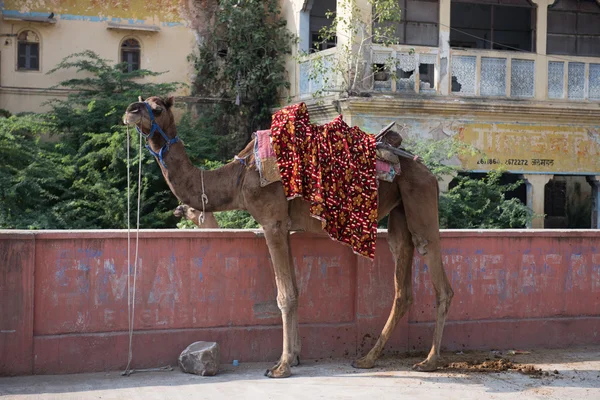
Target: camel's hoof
(278, 371)
(429, 365)
(363, 363)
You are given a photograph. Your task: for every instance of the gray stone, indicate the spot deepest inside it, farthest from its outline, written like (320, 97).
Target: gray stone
(200, 358)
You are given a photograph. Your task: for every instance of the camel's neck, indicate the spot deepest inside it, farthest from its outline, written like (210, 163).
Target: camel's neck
(222, 186)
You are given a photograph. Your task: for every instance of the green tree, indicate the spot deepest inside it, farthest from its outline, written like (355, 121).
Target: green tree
(472, 203)
(32, 177)
(99, 94)
(482, 204)
(209, 137)
(93, 145)
(241, 61)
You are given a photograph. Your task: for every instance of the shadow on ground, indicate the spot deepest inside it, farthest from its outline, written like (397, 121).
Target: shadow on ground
(568, 369)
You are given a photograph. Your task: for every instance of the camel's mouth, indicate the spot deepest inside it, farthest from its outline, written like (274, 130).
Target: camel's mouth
(178, 212)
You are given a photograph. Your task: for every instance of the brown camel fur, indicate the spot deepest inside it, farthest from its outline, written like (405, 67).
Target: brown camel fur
(411, 202)
(194, 215)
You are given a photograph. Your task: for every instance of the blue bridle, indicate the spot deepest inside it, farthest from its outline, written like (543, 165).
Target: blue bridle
(154, 128)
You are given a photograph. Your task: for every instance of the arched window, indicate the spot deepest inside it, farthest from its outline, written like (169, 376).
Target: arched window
(130, 54)
(28, 51)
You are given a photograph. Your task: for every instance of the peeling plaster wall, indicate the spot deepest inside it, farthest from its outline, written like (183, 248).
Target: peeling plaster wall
(154, 11)
(567, 149)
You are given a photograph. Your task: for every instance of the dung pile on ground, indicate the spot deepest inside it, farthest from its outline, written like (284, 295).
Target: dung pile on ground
(499, 365)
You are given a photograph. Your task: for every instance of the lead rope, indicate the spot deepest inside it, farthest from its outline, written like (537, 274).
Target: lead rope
(204, 197)
(130, 293)
(128, 247)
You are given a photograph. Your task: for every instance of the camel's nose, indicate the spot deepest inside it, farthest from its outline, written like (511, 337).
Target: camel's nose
(134, 108)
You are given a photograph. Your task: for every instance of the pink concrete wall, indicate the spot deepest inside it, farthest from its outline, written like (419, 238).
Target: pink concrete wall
(63, 296)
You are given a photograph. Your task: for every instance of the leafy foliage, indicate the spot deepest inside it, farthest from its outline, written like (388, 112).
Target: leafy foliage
(482, 204)
(438, 154)
(472, 203)
(78, 180)
(94, 144)
(241, 60)
(206, 137)
(99, 94)
(32, 178)
(236, 219)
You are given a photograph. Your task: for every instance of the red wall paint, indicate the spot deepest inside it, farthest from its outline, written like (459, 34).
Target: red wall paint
(17, 253)
(512, 289)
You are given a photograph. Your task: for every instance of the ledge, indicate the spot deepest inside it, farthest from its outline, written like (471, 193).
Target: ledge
(35, 91)
(470, 107)
(6, 234)
(28, 18)
(131, 27)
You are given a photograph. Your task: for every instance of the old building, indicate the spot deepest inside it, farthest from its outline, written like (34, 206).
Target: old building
(36, 35)
(518, 79)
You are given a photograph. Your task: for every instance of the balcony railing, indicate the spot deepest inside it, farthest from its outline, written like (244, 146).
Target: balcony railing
(486, 73)
(416, 69)
(493, 73)
(513, 75)
(573, 78)
(317, 73)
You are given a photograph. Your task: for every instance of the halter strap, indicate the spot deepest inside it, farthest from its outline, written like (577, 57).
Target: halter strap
(155, 128)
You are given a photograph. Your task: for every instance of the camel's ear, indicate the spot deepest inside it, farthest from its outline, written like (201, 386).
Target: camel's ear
(140, 99)
(169, 102)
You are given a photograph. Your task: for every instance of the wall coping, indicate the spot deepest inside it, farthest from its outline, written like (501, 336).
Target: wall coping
(7, 234)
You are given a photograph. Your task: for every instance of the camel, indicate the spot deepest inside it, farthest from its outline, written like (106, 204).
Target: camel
(411, 201)
(187, 212)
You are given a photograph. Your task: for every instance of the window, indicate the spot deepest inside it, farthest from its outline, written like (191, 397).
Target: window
(493, 24)
(418, 22)
(130, 55)
(28, 51)
(574, 28)
(319, 20)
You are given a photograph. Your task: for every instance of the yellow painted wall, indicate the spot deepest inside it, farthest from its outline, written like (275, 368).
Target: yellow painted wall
(154, 10)
(532, 148)
(163, 51)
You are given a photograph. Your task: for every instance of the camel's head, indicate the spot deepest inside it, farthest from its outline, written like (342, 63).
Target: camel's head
(139, 113)
(181, 211)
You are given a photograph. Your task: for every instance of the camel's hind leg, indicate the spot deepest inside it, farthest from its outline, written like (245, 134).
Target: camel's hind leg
(399, 239)
(419, 192)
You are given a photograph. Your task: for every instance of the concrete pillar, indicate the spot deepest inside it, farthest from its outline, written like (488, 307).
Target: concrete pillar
(444, 182)
(541, 64)
(444, 45)
(304, 26)
(594, 181)
(536, 185)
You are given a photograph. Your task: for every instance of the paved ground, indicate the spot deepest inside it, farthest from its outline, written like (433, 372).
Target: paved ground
(572, 374)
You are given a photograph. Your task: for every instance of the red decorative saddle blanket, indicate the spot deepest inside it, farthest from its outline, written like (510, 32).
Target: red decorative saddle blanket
(333, 167)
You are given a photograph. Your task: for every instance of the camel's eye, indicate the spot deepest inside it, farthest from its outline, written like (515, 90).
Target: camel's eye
(157, 110)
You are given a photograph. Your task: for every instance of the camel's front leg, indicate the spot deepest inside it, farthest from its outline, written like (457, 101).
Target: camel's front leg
(278, 240)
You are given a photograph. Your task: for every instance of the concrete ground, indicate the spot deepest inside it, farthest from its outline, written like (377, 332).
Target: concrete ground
(572, 374)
